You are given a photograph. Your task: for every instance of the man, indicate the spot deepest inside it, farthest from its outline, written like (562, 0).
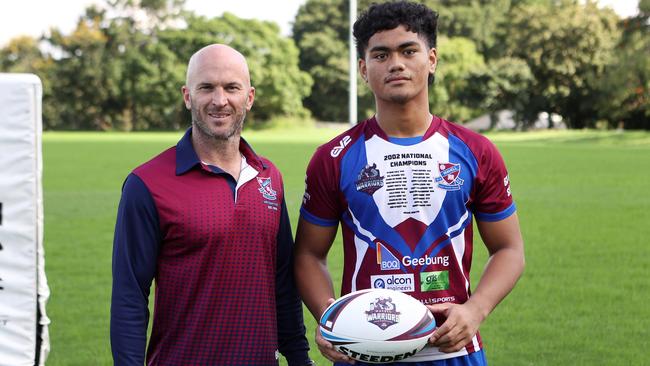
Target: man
(207, 219)
(405, 185)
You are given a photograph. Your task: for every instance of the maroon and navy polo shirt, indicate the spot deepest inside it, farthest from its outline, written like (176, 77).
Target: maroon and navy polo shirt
(221, 254)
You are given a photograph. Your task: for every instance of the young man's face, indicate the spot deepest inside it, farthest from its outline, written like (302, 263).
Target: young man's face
(397, 65)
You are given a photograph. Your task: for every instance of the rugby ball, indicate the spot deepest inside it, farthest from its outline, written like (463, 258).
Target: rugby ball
(377, 325)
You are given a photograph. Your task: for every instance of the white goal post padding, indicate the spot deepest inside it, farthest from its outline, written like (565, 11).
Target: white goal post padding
(24, 337)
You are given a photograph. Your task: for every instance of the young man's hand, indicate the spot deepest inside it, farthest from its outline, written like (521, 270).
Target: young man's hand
(458, 330)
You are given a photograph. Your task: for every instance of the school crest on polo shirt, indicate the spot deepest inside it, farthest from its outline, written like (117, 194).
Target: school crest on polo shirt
(266, 189)
(449, 176)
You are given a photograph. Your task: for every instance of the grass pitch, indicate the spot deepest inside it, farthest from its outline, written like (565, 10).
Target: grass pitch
(582, 199)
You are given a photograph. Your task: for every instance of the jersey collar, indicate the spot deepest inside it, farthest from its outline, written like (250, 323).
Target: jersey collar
(374, 129)
(187, 159)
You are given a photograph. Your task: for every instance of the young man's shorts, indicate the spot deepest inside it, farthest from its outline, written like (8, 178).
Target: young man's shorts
(473, 359)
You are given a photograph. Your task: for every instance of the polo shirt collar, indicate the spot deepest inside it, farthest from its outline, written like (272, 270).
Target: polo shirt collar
(187, 159)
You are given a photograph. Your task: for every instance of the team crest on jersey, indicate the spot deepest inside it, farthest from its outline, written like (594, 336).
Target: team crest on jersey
(382, 313)
(449, 176)
(369, 179)
(266, 189)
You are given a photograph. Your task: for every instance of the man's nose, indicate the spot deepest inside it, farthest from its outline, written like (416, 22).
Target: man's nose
(219, 97)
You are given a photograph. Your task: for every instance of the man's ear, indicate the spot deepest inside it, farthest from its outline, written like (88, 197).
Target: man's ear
(251, 98)
(186, 97)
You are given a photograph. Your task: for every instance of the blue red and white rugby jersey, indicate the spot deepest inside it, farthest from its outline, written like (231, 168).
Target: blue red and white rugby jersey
(406, 207)
(220, 251)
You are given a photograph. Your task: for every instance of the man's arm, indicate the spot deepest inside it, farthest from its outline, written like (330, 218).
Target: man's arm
(292, 342)
(313, 278)
(504, 267)
(135, 250)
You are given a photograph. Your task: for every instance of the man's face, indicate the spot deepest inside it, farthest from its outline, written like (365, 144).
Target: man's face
(397, 64)
(219, 95)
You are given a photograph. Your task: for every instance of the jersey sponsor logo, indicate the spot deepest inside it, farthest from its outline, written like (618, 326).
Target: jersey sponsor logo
(434, 281)
(408, 261)
(437, 300)
(369, 179)
(398, 282)
(336, 151)
(266, 189)
(383, 313)
(449, 176)
(386, 260)
(506, 183)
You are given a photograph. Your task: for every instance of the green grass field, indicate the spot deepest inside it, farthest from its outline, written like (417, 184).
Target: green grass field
(582, 199)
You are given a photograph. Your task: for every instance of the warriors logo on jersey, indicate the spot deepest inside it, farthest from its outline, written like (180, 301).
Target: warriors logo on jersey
(369, 180)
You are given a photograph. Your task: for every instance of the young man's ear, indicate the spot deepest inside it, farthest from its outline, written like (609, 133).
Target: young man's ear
(362, 69)
(433, 60)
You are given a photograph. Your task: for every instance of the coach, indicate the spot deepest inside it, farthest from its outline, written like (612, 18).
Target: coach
(207, 220)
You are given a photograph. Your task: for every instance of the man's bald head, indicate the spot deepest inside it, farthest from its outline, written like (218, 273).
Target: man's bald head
(218, 92)
(219, 56)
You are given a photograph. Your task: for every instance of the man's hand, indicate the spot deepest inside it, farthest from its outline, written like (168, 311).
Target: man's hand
(460, 327)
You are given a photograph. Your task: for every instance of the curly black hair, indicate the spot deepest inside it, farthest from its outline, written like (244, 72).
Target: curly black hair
(386, 16)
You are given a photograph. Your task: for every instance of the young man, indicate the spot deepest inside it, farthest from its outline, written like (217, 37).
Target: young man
(207, 219)
(405, 186)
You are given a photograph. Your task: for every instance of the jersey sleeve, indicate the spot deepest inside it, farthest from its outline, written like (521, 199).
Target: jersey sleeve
(321, 204)
(492, 194)
(135, 250)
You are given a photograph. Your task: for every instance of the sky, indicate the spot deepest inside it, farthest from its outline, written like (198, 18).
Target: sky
(33, 17)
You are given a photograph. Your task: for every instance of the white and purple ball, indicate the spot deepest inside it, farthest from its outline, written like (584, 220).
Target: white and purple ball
(377, 325)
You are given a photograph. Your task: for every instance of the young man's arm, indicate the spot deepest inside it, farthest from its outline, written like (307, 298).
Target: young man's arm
(504, 267)
(313, 278)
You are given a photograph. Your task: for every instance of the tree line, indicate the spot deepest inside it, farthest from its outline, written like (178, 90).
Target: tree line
(122, 67)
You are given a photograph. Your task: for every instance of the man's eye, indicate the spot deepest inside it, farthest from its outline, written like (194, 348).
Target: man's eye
(380, 56)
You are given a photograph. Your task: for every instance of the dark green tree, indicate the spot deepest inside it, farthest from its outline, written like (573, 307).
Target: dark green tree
(273, 60)
(624, 99)
(567, 46)
(504, 83)
(321, 32)
(21, 54)
(457, 57)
